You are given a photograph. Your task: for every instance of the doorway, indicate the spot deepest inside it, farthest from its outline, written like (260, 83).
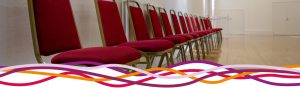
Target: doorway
(286, 18)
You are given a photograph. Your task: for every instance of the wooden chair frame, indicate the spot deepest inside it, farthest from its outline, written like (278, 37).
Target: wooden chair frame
(150, 56)
(180, 47)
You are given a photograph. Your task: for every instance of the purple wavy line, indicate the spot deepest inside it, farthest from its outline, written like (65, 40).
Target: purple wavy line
(2, 66)
(126, 72)
(96, 64)
(159, 85)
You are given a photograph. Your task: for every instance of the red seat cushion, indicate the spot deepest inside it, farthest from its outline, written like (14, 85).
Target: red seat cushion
(105, 55)
(196, 35)
(187, 36)
(150, 45)
(175, 39)
(203, 32)
(218, 29)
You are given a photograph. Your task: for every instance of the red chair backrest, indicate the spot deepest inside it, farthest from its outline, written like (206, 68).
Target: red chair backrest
(175, 22)
(194, 23)
(209, 23)
(198, 24)
(166, 22)
(189, 25)
(157, 28)
(55, 26)
(183, 24)
(204, 26)
(206, 22)
(139, 23)
(111, 23)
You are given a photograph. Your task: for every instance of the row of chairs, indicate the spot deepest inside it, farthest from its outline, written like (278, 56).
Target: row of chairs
(54, 31)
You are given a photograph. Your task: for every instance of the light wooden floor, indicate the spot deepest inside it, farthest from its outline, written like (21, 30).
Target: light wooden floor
(263, 50)
(259, 49)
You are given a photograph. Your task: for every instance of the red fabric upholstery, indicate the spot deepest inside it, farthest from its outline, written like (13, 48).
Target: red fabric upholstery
(194, 23)
(216, 29)
(206, 24)
(198, 24)
(175, 39)
(111, 23)
(183, 24)
(150, 45)
(157, 28)
(176, 24)
(55, 26)
(167, 24)
(139, 22)
(105, 55)
(195, 35)
(187, 36)
(188, 21)
(202, 33)
(202, 23)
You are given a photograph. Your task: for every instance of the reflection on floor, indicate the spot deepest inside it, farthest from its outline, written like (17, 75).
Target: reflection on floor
(262, 50)
(258, 49)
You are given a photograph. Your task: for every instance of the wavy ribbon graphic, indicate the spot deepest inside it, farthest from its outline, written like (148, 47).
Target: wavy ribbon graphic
(81, 73)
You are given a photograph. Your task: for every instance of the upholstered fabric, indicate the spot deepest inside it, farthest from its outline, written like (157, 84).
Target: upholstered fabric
(183, 24)
(157, 28)
(198, 24)
(105, 55)
(216, 29)
(150, 45)
(193, 23)
(175, 39)
(189, 25)
(195, 35)
(139, 23)
(206, 22)
(111, 23)
(167, 24)
(209, 23)
(55, 26)
(202, 23)
(176, 24)
(202, 33)
(187, 36)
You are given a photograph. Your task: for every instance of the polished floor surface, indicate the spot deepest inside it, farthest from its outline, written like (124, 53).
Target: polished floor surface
(255, 49)
(258, 49)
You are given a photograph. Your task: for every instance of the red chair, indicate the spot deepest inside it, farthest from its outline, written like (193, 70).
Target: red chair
(113, 33)
(167, 26)
(54, 31)
(184, 30)
(179, 41)
(203, 39)
(216, 32)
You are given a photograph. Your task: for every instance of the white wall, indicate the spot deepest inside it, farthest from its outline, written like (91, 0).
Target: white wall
(258, 13)
(15, 36)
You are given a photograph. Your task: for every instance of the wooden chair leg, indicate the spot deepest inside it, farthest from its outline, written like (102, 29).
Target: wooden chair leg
(191, 51)
(182, 51)
(171, 60)
(197, 50)
(203, 49)
(148, 61)
(161, 61)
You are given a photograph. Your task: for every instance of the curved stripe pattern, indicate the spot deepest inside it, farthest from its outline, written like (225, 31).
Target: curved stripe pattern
(81, 73)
